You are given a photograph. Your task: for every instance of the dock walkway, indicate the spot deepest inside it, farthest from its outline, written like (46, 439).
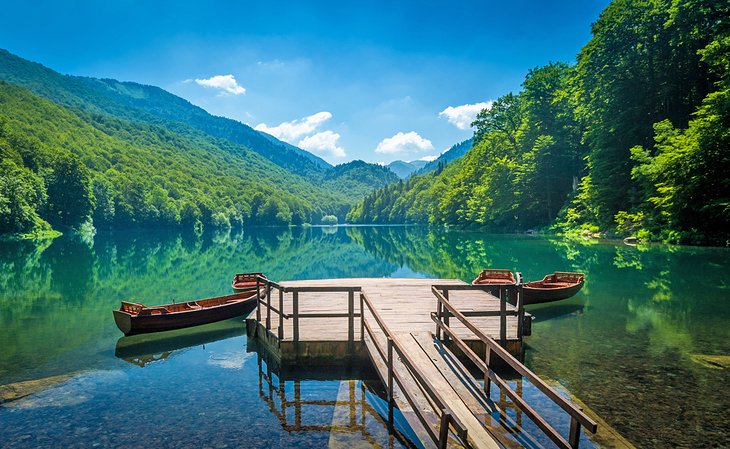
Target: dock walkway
(407, 329)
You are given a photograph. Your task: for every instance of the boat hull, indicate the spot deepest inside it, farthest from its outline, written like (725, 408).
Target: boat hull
(539, 295)
(131, 324)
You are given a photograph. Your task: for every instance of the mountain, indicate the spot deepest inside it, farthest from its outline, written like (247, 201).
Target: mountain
(150, 104)
(447, 156)
(405, 169)
(358, 178)
(133, 155)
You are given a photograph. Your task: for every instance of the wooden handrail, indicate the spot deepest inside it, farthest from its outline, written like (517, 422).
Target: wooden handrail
(575, 412)
(447, 416)
(295, 315)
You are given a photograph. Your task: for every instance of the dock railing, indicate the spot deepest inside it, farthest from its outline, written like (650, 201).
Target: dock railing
(264, 304)
(394, 348)
(506, 293)
(577, 417)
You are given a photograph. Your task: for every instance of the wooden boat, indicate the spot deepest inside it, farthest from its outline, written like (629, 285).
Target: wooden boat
(553, 287)
(135, 318)
(492, 276)
(245, 281)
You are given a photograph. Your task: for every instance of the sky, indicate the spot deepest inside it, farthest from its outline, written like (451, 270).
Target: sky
(371, 80)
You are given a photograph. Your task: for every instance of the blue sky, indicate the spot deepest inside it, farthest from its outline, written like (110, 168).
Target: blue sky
(370, 80)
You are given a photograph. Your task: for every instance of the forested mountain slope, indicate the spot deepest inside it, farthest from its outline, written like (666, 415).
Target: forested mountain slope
(139, 174)
(132, 155)
(150, 104)
(633, 139)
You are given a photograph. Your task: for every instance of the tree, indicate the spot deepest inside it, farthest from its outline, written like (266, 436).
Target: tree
(104, 194)
(22, 193)
(70, 197)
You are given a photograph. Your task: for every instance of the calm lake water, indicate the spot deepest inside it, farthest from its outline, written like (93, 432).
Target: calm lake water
(645, 344)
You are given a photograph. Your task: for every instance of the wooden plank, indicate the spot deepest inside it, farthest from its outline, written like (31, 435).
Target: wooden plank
(477, 435)
(470, 390)
(400, 400)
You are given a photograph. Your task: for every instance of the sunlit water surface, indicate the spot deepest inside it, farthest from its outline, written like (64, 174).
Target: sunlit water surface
(645, 345)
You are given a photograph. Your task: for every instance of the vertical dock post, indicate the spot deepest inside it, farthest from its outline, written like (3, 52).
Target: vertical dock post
(268, 307)
(574, 438)
(258, 300)
(446, 315)
(439, 308)
(350, 321)
(390, 370)
(295, 306)
(503, 317)
(362, 318)
(281, 315)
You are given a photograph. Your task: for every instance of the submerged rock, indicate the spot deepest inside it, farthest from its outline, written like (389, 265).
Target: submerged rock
(19, 390)
(711, 361)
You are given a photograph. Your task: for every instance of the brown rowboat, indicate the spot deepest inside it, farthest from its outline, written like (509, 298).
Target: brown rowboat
(494, 276)
(553, 287)
(245, 281)
(135, 318)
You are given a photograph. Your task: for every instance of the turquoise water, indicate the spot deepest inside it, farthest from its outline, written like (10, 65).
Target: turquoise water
(645, 344)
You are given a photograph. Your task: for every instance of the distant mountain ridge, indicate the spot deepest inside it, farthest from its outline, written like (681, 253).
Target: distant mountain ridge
(405, 169)
(453, 153)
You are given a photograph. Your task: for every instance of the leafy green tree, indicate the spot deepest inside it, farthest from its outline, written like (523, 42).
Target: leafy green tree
(104, 194)
(70, 197)
(22, 193)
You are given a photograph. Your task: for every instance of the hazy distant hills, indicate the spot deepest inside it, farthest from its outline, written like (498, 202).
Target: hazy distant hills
(453, 153)
(405, 169)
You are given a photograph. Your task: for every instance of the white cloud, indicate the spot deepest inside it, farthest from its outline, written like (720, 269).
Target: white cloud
(229, 360)
(404, 142)
(428, 158)
(324, 142)
(291, 131)
(462, 116)
(226, 83)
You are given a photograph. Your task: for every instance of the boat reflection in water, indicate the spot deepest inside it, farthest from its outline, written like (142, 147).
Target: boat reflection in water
(144, 349)
(337, 402)
(545, 312)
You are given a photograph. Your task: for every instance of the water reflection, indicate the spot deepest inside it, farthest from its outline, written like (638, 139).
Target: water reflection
(144, 349)
(350, 411)
(643, 335)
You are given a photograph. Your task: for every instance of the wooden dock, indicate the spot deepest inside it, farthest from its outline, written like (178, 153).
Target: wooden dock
(407, 329)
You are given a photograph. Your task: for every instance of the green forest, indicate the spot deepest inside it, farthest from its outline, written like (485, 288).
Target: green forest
(632, 139)
(134, 156)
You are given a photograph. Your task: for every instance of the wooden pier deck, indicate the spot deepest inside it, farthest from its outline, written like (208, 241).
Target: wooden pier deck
(405, 328)
(405, 305)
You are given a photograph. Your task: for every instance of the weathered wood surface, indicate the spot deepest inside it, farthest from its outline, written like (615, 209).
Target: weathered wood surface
(405, 305)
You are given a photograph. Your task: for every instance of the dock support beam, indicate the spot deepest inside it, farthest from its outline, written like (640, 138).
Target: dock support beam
(350, 321)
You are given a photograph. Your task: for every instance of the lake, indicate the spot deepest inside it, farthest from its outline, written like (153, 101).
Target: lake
(645, 344)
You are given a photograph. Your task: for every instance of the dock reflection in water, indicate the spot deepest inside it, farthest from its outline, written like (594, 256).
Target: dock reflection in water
(144, 349)
(357, 410)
